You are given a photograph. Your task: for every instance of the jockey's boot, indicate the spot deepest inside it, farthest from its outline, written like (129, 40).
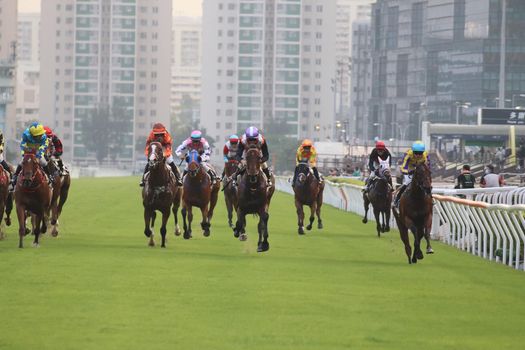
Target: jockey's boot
(268, 176)
(12, 184)
(176, 172)
(213, 177)
(50, 176)
(6, 167)
(316, 174)
(399, 193)
(146, 169)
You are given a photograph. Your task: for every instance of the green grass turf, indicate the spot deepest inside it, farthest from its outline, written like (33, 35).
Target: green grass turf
(98, 286)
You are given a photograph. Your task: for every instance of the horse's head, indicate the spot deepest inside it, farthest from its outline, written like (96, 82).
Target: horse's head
(253, 161)
(384, 168)
(194, 162)
(29, 169)
(302, 173)
(423, 177)
(231, 167)
(155, 155)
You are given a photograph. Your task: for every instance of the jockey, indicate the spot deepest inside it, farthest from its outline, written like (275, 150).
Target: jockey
(55, 147)
(2, 160)
(230, 150)
(306, 154)
(34, 140)
(161, 135)
(414, 156)
(380, 152)
(198, 143)
(253, 137)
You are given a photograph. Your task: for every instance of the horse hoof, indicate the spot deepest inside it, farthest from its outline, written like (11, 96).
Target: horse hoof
(430, 251)
(151, 244)
(301, 231)
(54, 233)
(419, 255)
(235, 233)
(187, 235)
(263, 247)
(28, 231)
(147, 234)
(365, 221)
(177, 231)
(309, 227)
(243, 237)
(387, 229)
(206, 233)
(414, 260)
(8, 221)
(319, 226)
(36, 245)
(163, 246)
(53, 222)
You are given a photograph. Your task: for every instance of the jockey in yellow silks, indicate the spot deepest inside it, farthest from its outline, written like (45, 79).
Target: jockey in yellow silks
(306, 154)
(413, 157)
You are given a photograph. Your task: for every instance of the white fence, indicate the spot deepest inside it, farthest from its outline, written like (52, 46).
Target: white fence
(489, 223)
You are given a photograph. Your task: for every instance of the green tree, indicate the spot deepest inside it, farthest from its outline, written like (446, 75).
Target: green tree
(281, 147)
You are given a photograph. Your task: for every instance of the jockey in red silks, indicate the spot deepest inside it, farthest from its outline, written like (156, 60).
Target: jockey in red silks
(198, 143)
(253, 137)
(55, 147)
(161, 135)
(379, 153)
(229, 150)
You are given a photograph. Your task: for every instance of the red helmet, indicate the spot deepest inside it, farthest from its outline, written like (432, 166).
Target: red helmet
(159, 128)
(380, 145)
(48, 130)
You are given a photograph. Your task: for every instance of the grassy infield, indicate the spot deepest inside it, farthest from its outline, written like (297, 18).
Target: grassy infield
(98, 286)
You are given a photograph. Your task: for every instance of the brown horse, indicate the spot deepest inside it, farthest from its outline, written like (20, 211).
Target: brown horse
(33, 196)
(380, 195)
(160, 193)
(61, 185)
(198, 192)
(308, 191)
(254, 198)
(415, 212)
(6, 199)
(230, 191)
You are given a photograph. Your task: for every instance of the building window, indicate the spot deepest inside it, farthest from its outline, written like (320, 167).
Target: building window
(392, 27)
(402, 75)
(417, 24)
(459, 19)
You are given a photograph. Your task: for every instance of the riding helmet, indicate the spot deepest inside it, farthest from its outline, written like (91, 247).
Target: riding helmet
(307, 143)
(48, 130)
(196, 135)
(159, 128)
(36, 129)
(380, 145)
(234, 138)
(418, 146)
(252, 132)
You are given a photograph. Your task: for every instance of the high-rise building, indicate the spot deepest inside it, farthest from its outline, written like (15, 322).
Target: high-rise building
(105, 55)
(8, 36)
(268, 60)
(28, 70)
(186, 67)
(430, 58)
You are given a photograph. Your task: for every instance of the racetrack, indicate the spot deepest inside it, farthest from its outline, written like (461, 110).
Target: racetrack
(98, 286)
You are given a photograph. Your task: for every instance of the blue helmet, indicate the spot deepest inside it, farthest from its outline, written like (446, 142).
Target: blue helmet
(252, 132)
(418, 146)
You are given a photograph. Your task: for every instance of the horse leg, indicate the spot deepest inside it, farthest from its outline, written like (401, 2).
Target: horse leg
(190, 219)
(147, 228)
(2, 207)
(64, 192)
(387, 219)
(403, 233)
(300, 216)
(229, 209)
(239, 226)
(21, 214)
(183, 212)
(313, 208)
(428, 226)
(163, 230)
(37, 221)
(8, 208)
(418, 234)
(319, 205)
(214, 195)
(367, 205)
(262, 227)
(377, 215)
(205, 223)
(175, 210)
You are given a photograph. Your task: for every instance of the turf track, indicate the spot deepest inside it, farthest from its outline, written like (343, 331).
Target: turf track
(98, 286)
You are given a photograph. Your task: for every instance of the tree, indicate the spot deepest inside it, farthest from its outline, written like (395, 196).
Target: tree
(281, 147)
(183, 122)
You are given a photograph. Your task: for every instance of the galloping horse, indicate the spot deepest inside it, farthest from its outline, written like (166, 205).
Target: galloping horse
(198, 192)
(60, 193)
(230, 191)
(308, 191)
(160, 193)
(380, 195)
(6, 199)
(254, 198)
(32, 195)
(415, 212)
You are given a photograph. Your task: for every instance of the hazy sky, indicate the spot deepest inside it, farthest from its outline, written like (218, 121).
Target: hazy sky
(180, 7)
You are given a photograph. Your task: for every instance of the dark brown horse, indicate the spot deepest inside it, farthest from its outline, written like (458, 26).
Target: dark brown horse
(6, 199)
(254, 198)
(61, 185)
(160, 193)
(33, 196)
(230, 191)
(308, 191)
(380, 195)
(415, 212)
(198, 192)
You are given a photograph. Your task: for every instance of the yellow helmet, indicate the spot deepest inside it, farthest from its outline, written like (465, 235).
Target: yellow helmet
(307, 143)
(37, 129)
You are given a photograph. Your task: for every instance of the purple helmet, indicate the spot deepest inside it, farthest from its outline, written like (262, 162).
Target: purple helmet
(252, 132)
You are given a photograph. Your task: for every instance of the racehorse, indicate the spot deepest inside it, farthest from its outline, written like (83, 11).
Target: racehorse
(254, 198)
(230, 191)
(61, 185)
(160, 193)
(33, 196)
(380, 195)
(198, 192)
(415, 212)
(6, 199)
(308, 191)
